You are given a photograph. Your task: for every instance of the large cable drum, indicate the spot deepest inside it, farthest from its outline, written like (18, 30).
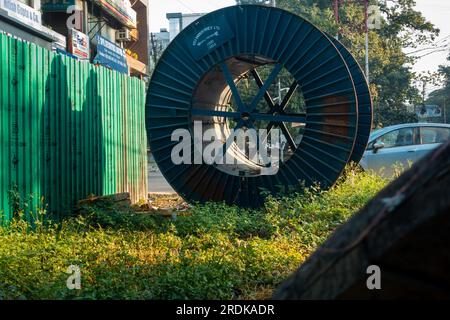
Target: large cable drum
(365, 112)
(203, 77)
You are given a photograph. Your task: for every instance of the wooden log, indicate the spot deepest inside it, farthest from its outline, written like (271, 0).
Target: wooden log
(122, 199)
(404, 230)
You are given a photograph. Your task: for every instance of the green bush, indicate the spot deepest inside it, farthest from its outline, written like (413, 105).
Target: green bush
(218, 252)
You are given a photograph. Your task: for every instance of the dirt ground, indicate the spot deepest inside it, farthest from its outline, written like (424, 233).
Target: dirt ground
(167, 201)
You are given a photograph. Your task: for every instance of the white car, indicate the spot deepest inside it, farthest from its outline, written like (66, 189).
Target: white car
(399, 146)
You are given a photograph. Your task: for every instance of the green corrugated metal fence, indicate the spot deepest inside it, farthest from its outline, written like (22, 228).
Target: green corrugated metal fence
(68, 130)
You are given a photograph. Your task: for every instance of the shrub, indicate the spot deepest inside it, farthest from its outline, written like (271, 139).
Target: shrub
(218, 252)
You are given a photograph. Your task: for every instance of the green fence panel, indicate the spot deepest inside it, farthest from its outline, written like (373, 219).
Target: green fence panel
(68, 130)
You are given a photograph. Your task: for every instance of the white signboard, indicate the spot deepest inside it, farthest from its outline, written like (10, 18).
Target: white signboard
(79, 44)
(21, 12)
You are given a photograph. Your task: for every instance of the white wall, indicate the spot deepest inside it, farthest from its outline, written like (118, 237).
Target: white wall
(188, 19)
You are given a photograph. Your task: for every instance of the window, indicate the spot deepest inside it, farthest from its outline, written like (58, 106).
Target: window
(29, 3)
(398, 138)
(434, 135)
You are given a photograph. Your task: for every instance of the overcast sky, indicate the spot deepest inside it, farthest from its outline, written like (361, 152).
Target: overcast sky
(437, 11)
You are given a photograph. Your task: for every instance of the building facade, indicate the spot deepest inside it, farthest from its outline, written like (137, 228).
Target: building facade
(159, 41)
(124, 26)
(178, 21)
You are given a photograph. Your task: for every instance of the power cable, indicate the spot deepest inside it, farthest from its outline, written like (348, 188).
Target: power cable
(184, 5)
(432, 52)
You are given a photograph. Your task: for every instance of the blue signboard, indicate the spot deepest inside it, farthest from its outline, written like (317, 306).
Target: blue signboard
(56, 5)
(110, 55)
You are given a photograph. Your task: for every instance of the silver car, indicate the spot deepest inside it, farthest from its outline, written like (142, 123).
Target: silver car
(394, 148)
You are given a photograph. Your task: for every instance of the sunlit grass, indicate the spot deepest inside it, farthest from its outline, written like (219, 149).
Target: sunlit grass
(218, 252)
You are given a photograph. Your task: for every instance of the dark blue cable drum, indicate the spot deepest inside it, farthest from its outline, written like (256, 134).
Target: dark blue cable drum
(365, 111)
(197, 79)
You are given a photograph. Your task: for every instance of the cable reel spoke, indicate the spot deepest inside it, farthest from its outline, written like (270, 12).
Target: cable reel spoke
(260, 85)
(288, 96)
(237, 97)
(263, 90)
(272, 115)
(288, 136)
(278, 117)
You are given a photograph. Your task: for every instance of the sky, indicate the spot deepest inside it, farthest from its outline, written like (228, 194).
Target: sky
(159, 8)
(436, 11)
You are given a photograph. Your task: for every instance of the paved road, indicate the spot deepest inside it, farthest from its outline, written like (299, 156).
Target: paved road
(156, 182)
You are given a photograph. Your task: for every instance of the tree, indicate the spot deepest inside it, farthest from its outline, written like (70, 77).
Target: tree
(441, 97)
(156, 50)
(391, 75)
(445, 72)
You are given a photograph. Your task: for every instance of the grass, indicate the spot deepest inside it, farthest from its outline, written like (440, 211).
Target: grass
(218, 252)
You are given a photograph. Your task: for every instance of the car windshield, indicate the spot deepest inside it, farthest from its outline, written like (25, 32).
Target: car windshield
(375, 132)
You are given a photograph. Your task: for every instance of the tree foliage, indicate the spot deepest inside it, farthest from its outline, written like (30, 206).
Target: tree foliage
(401, 26)
(445, 71)
(211, 252)
(441, 97)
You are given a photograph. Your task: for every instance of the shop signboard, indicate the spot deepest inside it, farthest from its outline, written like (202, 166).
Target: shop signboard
(22, 12)
(110, 55)
(56, 5)
(78, 44)
(27, 19)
